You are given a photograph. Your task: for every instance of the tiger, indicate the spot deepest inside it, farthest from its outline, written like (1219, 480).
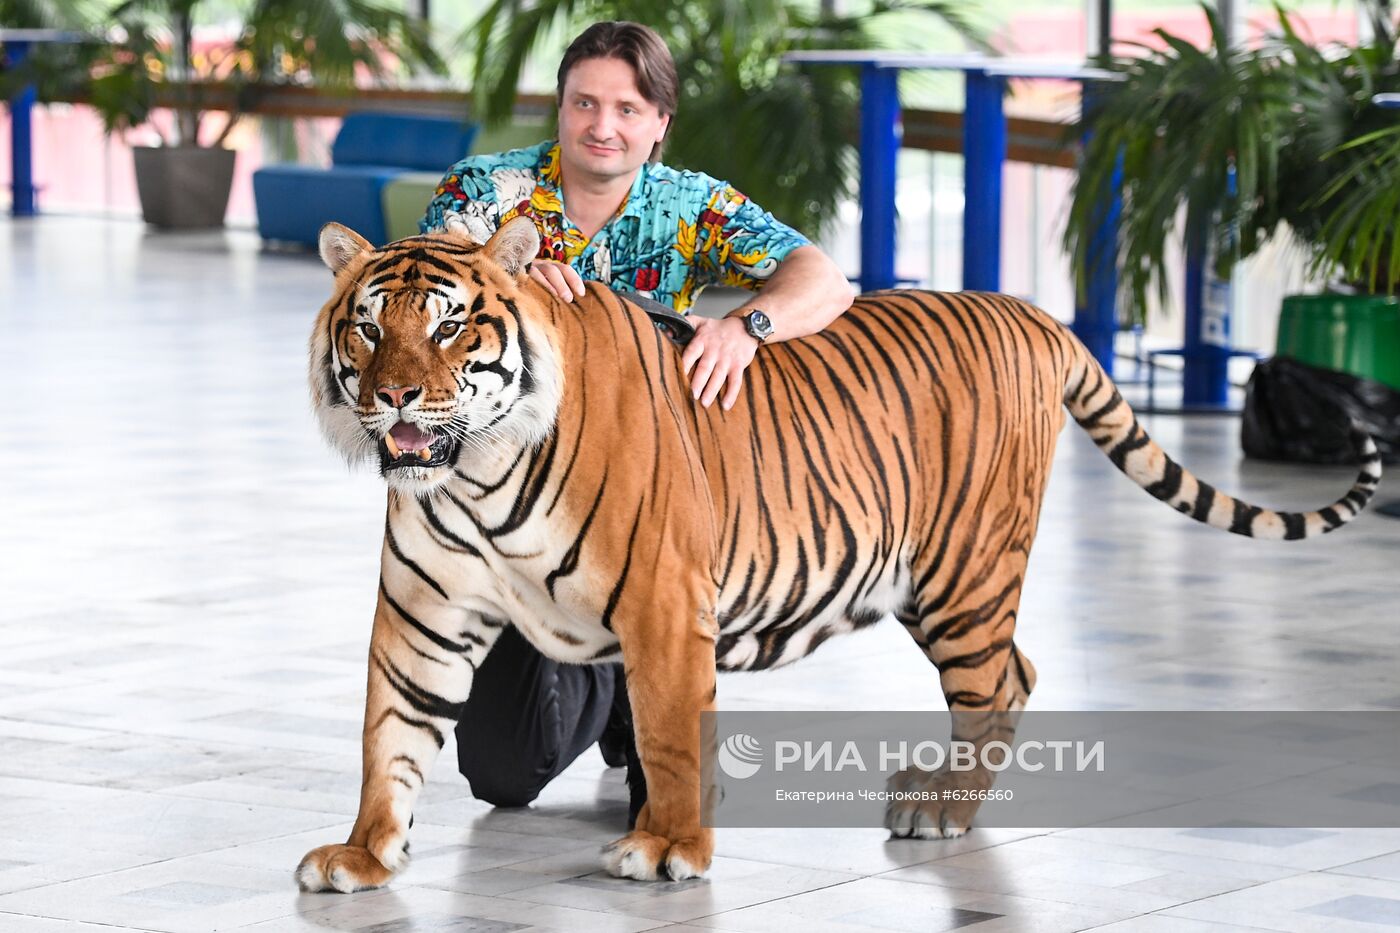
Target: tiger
(547, 468)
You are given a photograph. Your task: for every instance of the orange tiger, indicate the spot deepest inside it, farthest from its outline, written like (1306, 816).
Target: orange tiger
(548, 469)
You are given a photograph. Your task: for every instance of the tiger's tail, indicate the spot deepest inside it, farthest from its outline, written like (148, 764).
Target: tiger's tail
(1094, 402)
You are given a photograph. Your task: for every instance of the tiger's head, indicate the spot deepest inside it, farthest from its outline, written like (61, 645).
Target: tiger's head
(432, 352)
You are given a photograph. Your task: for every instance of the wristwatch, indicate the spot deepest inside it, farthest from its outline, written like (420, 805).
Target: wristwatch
(758, 325)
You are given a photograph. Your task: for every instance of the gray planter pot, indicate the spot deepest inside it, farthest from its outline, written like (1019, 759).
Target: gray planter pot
(183, 187)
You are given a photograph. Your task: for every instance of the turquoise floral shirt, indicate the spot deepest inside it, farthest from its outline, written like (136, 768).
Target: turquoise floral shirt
(675, 233)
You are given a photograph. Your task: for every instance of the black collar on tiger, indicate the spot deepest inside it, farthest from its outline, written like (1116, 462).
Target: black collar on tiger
(670, 322)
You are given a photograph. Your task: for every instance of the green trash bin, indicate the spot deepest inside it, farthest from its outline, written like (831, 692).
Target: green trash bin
(1357, 334)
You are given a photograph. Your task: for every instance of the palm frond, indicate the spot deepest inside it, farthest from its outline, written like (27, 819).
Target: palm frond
(49, 14)
(329, 42)
(1358, 211)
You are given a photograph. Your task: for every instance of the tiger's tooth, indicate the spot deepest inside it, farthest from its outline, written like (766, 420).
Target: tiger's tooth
(425, 454)
(394, 451)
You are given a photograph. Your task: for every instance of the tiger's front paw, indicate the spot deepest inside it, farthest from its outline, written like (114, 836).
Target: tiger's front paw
(931, 819)
(934, 805)
(647, 857)
(347, 869)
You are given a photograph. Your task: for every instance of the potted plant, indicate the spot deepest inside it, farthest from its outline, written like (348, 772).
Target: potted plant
(148, 58)
(1234, 144)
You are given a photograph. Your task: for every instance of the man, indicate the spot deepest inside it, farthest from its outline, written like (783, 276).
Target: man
(607, 210)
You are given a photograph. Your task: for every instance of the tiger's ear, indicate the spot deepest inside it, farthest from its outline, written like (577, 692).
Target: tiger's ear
(514, 245)
(339, 245)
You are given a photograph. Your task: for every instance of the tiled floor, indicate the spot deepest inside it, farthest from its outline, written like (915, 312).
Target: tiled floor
(186, 578)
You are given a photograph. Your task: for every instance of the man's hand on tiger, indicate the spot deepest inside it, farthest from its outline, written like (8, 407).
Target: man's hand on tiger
(560, 278)
(718, 354)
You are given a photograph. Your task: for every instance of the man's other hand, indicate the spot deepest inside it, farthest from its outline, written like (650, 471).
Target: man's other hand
(719, 353)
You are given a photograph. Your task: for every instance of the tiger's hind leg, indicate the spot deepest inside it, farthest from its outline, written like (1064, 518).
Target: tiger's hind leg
(986, 681)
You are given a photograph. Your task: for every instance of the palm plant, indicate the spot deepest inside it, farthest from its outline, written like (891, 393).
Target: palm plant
(147, 58)
(1345, 160)
(1358, 214)
(1236, 143)
(144, 56)
(320, 42)
(782, 134)
(59, 62)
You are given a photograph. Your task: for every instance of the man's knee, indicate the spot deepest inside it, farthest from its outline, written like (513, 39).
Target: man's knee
(502, 787)
(526, 720)
(503, 770)
(506, 738)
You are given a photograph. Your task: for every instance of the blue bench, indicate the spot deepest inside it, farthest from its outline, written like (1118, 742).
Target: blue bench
(371, 149)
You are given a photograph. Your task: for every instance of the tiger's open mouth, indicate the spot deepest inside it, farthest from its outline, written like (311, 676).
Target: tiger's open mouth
(407, 445)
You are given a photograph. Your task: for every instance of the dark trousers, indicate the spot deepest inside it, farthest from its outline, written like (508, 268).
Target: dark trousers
(529, 717)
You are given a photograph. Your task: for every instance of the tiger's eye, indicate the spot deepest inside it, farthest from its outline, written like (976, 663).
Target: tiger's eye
(370, 332)
(447, 329)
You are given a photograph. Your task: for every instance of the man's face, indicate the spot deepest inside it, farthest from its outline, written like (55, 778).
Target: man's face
(606, 127)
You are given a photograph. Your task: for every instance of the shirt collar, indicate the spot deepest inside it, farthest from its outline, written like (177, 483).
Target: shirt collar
(548, 169)
(636, 198)
(551, 176)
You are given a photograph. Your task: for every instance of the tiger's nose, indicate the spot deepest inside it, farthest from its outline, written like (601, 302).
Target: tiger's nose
(398, 396)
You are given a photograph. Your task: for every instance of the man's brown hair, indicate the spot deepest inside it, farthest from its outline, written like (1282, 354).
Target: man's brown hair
(638, 46)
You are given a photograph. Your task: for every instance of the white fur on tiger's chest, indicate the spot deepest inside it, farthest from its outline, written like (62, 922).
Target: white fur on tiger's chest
(513, 577)
(564, 623)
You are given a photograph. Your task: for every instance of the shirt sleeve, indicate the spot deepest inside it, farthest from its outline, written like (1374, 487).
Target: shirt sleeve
(739, 243)
(466, 189)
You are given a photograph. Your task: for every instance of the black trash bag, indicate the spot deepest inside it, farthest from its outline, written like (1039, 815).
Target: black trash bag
(1302, 413)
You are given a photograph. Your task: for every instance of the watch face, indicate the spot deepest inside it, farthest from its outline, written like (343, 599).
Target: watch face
(759, 325)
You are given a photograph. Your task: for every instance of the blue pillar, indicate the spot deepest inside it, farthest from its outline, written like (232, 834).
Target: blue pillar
(879, 152)
(1096, 318)
(1096, 315)
(21, 138)
(1205, 351)
(984, 152)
